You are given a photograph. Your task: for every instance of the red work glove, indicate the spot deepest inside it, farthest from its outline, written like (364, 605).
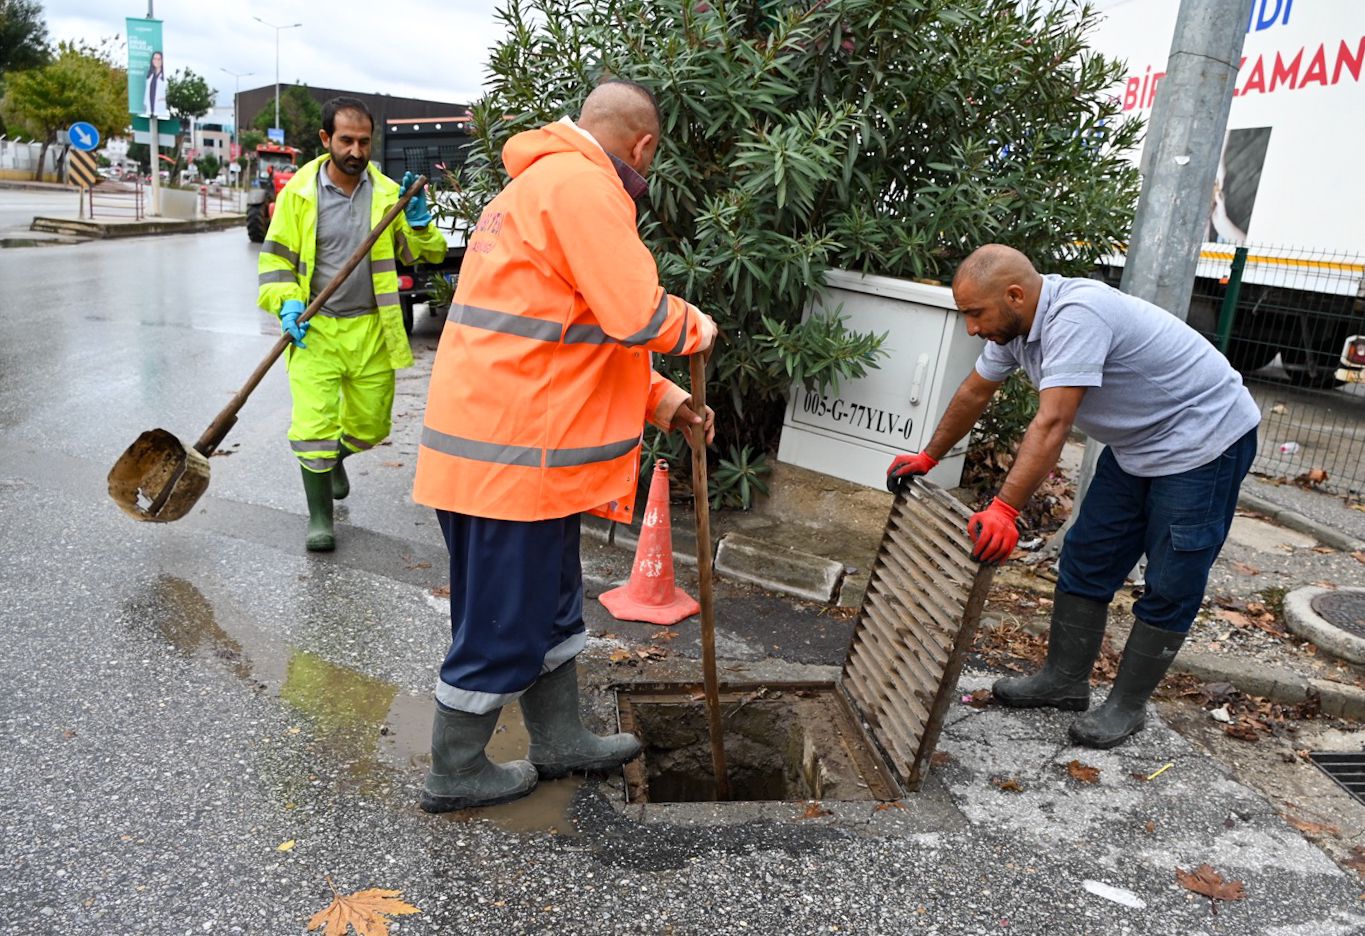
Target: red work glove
(993, 532)
(905, 467)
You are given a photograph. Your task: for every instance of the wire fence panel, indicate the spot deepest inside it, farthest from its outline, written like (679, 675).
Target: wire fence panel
(1283, 316)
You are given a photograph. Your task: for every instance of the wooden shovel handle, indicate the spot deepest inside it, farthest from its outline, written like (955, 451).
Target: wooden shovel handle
(217, 431)
(708, 605)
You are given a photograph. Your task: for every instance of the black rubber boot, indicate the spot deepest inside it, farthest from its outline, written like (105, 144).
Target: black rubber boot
(1072, 646)
(317, 486)
(461, 775)
(559, 743)
(341, 485)
(1146, 657)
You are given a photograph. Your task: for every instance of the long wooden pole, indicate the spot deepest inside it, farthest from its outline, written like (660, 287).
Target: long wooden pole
(708, 605)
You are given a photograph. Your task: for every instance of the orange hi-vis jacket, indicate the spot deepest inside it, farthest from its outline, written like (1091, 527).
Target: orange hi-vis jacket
(542, 381)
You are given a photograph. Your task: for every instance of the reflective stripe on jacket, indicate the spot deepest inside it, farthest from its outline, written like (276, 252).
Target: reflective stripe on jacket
(542, 381)
(286, 262)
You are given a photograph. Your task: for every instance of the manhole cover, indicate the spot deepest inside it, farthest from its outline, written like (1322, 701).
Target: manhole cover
(1345, 767)
(1343, 609)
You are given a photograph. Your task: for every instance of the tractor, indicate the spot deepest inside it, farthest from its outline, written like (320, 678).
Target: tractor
(275, 166)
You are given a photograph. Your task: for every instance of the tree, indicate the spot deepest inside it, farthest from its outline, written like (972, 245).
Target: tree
(300, 118)
(208, 166)
(23, 36)
(250, 139)
(79, 84)
(188, 97)
(890, 138)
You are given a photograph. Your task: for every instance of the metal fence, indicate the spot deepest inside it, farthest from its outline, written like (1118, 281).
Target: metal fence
(116, 200)
(1282, 316)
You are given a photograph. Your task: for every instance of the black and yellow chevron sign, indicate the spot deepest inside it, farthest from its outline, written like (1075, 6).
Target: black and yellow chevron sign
(81, 169)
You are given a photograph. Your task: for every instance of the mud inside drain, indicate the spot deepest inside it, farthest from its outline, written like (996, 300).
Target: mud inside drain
(783, 742)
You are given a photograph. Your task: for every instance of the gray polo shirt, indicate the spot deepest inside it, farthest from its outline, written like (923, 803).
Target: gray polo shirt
(1161, 397)
(343, 224)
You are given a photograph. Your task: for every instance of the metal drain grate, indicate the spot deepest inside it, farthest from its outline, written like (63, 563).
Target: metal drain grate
(1344, 609)
(1345, 767)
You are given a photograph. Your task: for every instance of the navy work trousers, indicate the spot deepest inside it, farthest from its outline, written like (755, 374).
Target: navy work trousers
(1179, 521)
(516, 607)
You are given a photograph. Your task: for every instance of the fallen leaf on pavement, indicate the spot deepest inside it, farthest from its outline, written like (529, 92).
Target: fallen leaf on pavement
(1204, 880)
(1245, 569)
(1008, 784)
(978, 699)
(1324, 550)
(285, 846)
(364, 911)
(666, 635)
(814, 810)
(1083, 773)
(1357, 860)
(1314, 830)
(1150, 827)
(940, 758)
(621, 657)
(652, 653)
(392, 464)
(1359, 556)
(892, 804)
(441, 591)
(1241, 731)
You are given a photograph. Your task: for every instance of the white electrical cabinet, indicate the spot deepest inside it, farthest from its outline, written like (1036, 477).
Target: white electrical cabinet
(855, 432)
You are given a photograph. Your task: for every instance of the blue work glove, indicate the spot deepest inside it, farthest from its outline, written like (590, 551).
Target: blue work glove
(289, 322)
(417, 210)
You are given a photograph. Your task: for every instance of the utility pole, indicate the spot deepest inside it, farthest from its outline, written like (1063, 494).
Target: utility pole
(154, 149)
(236, 124)
(1179, 164)
(277, 61)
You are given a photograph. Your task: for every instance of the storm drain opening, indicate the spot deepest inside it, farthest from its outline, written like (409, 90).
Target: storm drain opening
(783, 742)
(1347, 768)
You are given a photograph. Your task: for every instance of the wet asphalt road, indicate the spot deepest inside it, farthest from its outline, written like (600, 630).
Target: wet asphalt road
(205, 723)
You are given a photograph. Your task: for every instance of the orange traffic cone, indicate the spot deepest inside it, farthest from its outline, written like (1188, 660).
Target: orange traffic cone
(651, 595)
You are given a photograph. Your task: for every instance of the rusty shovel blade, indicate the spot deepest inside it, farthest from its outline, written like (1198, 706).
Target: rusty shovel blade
(158, 479)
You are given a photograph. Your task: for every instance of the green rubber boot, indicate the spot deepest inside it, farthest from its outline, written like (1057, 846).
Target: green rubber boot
(341, 485)
(317, 486)
(461, 775)
(1146, 658)
(559, 743)
(1072, 646)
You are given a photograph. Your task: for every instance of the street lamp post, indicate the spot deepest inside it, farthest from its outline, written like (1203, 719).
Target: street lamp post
(236, 123)
(277, 61)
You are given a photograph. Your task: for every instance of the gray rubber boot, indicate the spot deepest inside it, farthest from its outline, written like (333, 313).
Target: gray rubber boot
(317, 487)
(559, 743)
(1072, 646)
(461, 774)
(341, 485)
(1146, 657)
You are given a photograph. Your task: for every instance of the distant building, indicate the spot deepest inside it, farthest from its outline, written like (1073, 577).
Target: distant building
(383, 106)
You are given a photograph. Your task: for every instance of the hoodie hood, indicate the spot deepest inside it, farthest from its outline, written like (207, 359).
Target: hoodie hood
(522, 151)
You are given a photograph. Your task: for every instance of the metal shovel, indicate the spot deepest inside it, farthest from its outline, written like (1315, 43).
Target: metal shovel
(159, 478)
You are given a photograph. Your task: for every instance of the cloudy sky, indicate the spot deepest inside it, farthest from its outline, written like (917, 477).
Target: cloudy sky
(432, 49)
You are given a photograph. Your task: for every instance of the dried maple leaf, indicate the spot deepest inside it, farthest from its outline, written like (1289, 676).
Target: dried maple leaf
(814, 810)
(366, 912)
(940, 758)
(1245, 569)
(1314, 830)
(1008, 784)
(621, 657)
(1204, 880)
(441, 591)
(666, 635)
(979, 699)
(890, 804)
(1359, 556)
(652, 653)
(1242, 731)
(1083, 773)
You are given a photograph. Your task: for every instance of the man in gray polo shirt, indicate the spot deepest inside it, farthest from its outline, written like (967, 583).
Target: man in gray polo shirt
(1180, 431)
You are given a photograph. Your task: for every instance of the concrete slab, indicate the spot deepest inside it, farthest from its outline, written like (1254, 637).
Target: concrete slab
(786, 570)
(1268, 537)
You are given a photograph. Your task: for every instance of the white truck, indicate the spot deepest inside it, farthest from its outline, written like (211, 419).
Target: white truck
(1289, 184)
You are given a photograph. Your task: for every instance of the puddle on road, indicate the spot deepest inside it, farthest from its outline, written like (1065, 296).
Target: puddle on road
(363, 722)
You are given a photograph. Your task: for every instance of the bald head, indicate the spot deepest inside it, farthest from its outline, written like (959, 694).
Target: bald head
(996, 289)
(623, 117)
(995, 266)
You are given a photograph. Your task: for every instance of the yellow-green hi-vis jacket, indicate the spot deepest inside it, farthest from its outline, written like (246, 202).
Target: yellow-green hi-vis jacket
(291, 243)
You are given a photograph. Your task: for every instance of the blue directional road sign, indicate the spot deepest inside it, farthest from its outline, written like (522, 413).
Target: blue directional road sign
(83, 136)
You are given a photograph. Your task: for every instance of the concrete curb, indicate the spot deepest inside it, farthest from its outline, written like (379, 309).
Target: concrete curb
(745, 559)
(1308, 624)
(95, 229)
(1297, 521)
(1287, 687)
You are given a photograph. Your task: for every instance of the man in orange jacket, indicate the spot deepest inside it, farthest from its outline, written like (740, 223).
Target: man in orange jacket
(539, 393)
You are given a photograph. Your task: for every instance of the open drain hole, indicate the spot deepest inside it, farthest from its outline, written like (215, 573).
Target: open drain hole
(779, 746)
